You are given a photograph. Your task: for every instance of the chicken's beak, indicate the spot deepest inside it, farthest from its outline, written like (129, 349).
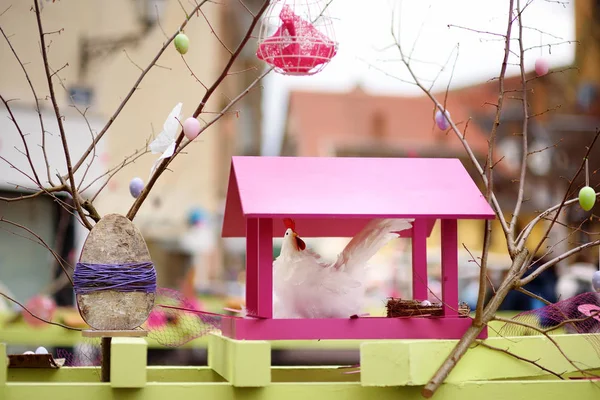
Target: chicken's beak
(300, 245)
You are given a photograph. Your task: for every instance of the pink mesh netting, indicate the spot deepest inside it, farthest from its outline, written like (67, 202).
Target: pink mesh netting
(176, 320)
(297, 46)
(579, 314)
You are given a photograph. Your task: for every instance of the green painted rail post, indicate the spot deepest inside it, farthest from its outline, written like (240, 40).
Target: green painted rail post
(242, 363)
(128, 361)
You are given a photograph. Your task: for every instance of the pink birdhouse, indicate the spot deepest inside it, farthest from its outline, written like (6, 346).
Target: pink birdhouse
(296, 37)
(337, 197)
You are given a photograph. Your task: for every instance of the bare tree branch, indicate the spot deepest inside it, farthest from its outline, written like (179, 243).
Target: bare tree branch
(39, 318)
(41, 242)
(135, 87)
(518, 357)
(37, 104)
(59, 121)
(165, 162)
(525, 110)
(22, 135)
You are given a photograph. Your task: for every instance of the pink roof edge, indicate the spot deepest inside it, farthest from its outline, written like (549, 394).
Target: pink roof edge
(313, 190)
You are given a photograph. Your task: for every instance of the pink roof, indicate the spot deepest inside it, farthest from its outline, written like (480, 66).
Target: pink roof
(312, 190)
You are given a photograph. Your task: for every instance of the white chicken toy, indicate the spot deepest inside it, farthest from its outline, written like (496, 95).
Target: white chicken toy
(306, 286)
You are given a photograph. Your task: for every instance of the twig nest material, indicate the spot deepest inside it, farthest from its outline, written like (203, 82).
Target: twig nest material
(541, 66)
(115, 240)
(587, 198)
(182, 43)
(412, 308)
(191, 128)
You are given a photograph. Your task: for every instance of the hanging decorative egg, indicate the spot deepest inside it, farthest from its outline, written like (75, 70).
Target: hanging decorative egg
(541, 66)
(191, 128)
(296, 37)
(441, 120)
(596, 281)
(136, 186)
(587, 198)
(41, 306)
(182, 43)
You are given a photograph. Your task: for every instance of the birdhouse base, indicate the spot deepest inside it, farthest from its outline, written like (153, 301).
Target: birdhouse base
(340, 329)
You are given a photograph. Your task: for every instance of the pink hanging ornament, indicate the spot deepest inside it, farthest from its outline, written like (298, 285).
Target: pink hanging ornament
(303, 42)
(191, 128)
(541, 66)
(41, 306)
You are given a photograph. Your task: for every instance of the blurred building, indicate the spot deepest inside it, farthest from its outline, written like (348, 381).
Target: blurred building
(103, 46)
(564, 113)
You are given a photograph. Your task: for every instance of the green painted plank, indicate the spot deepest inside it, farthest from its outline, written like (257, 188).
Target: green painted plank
(513, 390)
(179, 374)
(399, 363)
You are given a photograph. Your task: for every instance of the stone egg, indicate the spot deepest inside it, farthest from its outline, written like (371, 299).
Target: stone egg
(114, 240)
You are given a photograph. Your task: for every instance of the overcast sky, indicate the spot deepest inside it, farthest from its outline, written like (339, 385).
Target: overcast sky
(363, 31)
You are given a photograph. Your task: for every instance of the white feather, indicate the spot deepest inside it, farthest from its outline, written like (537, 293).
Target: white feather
(165, 141)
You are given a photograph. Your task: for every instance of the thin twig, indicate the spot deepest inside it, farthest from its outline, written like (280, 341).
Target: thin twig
(525, 110)
(551, 225)
(22, 135)
(545, 266)
(518, 357)
(549, 337)
(36, 317)
(135, 87)
(165, 162)
(59, 120)
(41, 242)
(37, 105)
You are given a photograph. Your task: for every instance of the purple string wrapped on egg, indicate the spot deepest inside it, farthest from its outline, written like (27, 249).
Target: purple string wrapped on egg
(128, 277)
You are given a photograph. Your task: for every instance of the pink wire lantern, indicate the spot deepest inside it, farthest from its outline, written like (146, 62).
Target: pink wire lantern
(296, 37)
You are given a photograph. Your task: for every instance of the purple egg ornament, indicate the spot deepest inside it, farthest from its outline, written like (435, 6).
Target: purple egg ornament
(541, 66)
(596, 281)
(441, 120)
(191, 128)
(136, 186)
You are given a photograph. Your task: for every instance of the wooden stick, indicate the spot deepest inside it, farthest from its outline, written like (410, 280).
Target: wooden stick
(106, 342)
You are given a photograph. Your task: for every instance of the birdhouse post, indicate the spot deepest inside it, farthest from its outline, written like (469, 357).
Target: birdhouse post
(259, 265)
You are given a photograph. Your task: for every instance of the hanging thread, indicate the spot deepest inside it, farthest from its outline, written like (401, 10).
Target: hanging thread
(587, 173)
(129, 277)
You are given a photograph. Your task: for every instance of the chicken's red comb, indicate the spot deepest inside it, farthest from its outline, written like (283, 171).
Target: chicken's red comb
(289, 223)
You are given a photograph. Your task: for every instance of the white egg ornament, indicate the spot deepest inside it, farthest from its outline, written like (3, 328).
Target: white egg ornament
(587, 198)
(191, 128)
(441, 120)
(29, 352)
(596, 281)
(41, 350)
(182, 43)
(541, 66)
(136, 186)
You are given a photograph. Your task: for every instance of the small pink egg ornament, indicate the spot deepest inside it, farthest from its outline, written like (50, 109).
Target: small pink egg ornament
(191, 128)
(41, 306)
(136, 186)
(541, 66)
(441, 120)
